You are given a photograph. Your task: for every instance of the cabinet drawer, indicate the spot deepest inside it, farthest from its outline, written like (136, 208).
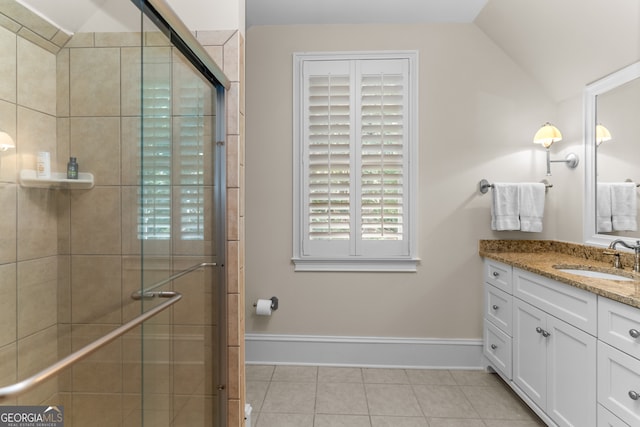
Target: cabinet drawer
(575, 306)
(498, 275)
(619, 325)
(498, 308)
(618, 380)
(497, 348)
(607, 419)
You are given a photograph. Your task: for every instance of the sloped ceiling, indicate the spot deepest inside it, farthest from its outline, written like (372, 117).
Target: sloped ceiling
(563, 44)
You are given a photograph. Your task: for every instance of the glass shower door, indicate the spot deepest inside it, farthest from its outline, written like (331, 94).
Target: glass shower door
(179, 231)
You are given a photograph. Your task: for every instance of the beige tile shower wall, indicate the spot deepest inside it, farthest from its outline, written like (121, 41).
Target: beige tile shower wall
(28, 233)
(227, 49)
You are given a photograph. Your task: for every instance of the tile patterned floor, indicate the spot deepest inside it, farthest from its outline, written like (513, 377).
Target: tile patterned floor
(310, 396)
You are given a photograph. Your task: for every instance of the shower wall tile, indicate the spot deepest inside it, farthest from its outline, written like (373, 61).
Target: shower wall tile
(8, 231)
(96, 289)
(102, 371)
(37, 295)
(62, 144)
(117, 39)
(8, 295)
(90, 409)
(62, 83)
(88, 66)
(95, 141)
(130, 150)
(37, 224)
(8, 61)
(81, 40)
(8, 375)
(95, 216)
(35, 353)
(36, 81)
(189, 360)
(36, 131)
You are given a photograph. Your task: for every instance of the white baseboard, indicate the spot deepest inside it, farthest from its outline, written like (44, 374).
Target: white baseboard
(363, 351)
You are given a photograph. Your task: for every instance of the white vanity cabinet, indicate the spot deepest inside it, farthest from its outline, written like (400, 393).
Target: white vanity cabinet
(550, 331)
(498, 316)
(554, 348)
(619, 361)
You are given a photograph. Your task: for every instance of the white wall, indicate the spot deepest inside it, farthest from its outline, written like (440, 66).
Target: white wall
(203, 15)
(478, 113)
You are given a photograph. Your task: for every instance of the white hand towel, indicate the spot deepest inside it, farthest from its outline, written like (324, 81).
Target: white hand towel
(603, 208)
(505, 207)
(624, 208)
(531, 206)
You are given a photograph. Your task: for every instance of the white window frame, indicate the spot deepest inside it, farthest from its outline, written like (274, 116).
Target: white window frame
(389, 258)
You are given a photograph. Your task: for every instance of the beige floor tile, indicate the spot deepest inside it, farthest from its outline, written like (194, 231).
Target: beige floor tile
(289, 397)
(384, 421)
(512, 423)
(444, 401)
(465, 377)
(296, 373)
(284, 420)
(259, 372)
(323, 420)
(328, 374)
(256, 392)
(385, 376)
(392, 399)
(456, 422)
(430, 376)
(497, 403)
(341, 398)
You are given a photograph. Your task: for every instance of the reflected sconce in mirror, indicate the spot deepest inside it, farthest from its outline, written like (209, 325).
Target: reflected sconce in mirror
(602, 134)
(6, 142)
(546, 136)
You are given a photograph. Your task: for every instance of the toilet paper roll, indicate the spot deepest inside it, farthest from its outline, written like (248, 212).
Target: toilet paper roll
(263, 307)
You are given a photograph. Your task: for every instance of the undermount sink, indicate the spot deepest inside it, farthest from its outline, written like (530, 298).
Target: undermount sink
(586, 272)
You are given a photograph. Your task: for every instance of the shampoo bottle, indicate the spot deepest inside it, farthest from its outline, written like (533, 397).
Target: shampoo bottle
(72, 168)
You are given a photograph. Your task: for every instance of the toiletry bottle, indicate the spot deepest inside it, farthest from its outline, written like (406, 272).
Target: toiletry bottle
(72, 168)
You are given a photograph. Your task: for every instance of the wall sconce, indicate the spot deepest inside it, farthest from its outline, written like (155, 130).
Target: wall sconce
(6, 141)
(602, 135)
(546, 136)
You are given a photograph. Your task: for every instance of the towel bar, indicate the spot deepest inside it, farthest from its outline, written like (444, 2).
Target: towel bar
(630, 180)
(485, 185)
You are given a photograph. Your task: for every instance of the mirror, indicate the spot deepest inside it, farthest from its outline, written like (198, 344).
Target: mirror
(613, 101)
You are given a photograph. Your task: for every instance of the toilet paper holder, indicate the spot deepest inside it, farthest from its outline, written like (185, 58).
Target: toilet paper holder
(274, 303)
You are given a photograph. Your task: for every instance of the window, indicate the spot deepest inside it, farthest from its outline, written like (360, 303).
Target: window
(355, 144)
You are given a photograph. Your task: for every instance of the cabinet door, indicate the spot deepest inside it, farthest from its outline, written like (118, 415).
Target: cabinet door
(530, 351)
(571, 388)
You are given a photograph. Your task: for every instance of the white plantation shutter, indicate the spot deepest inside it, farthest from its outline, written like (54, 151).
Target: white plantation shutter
(354, 136)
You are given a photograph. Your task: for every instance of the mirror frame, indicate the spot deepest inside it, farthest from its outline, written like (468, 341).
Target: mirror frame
(591, 93)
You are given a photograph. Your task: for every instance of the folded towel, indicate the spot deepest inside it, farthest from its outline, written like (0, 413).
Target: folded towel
(531, 206)
(603, 208)
(505, 207)
(624, 208)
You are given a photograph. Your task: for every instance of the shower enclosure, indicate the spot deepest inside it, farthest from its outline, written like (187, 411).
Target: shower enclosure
(112, 285)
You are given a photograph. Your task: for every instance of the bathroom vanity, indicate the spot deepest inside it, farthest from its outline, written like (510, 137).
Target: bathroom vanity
(566, 340)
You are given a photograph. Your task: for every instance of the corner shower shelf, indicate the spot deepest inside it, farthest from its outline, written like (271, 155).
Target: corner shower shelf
(58, 180)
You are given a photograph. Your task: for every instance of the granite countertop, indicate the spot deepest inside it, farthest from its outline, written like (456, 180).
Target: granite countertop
(540, 257)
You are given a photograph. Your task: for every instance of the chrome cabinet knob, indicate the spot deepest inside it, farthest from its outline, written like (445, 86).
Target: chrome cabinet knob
(495, 307)
(634, 333)
(493, 346)
(546, 334)
(496, 274)
(539, 330)
(634, 395)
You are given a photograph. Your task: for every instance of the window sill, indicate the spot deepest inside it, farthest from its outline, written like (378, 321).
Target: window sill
(408, 265)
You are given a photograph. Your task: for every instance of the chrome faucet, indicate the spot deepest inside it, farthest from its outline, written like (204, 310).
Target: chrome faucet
(635, 249)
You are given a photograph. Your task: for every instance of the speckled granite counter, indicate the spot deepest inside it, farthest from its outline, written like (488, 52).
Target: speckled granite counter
(540, 257)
